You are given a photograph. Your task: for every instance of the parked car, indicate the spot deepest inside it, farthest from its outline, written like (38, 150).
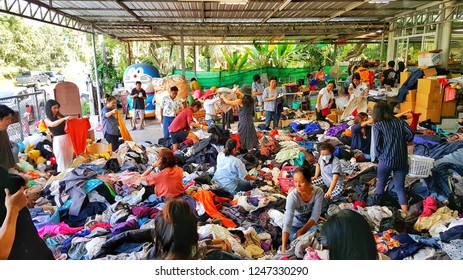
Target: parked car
(55, 77)
(32, 78)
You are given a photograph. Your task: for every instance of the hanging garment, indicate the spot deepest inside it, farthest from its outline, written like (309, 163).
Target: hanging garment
(356, 103)
(77, 130)
(124, 132)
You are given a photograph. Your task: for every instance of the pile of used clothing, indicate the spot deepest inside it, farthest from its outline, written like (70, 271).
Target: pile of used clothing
(103, 209)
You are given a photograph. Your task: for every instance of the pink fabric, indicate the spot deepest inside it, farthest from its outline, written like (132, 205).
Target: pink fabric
(450, 94)
(429, 206)
(60, 228)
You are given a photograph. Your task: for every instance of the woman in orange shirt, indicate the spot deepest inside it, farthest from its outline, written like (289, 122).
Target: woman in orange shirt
(168, 181)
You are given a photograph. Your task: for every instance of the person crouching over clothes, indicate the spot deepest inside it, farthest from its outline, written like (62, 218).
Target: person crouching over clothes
(180, 130)
(231, 172)
(330, 168)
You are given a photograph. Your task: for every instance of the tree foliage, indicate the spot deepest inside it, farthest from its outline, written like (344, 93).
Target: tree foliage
(30, 47)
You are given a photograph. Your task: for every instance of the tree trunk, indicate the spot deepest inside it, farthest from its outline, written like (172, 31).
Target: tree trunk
(208, 67)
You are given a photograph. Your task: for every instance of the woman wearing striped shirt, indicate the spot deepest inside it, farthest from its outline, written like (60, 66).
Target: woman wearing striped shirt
(391, 137)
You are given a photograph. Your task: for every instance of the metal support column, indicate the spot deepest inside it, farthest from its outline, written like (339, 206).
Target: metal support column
(129, 54)
(97, 81)
(391, 44)
(382, 47)
(194, 59)
(445, 35)
(182, 53)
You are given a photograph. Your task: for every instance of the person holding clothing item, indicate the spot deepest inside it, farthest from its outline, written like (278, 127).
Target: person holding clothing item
(169, 109)
(231, 172)
(349, 237)
(180, 130)
(303, 206)
(246, 128)
(357, 88)
(7, 159)
(210, 98)
(325, 101)
(62, 144)
(110, 124)
(391, 136)
(270, 96)
(138, 96)
(330, 168)
(168, 181)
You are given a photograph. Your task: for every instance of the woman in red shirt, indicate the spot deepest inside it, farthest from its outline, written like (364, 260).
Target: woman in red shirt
(168, 181)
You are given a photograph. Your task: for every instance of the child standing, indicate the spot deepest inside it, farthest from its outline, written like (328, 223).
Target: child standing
(330, 168)
(110, 124)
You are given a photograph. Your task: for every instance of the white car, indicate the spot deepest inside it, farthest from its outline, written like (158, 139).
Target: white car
(55, 77)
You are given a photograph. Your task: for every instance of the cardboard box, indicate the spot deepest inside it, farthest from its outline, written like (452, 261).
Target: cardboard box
(98, 148)
(406, 106)
(426, 113)
(430, 72)
(449, 108)
(335, 115)
(426, 86)
(411, 96)
(404, 76)
(429, 59)
(430, 101)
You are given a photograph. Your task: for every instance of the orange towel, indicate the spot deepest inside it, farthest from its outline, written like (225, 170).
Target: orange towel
(124, 132)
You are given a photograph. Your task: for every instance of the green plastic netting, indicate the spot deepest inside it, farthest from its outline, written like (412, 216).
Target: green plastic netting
(227, 78)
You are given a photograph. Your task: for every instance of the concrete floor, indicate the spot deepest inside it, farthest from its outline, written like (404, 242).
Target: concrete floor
(152, 131)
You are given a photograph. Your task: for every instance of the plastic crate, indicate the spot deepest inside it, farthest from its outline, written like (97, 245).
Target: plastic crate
(420, 166)
(286, 183)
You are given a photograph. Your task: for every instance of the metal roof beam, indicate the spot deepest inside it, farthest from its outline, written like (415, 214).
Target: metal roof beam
(348, 8)
(121, 3)
(42, 12)
(278, 8)
(203, 10)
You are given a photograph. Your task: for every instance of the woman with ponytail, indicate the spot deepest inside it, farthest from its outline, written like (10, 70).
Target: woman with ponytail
(176, 231)
(231, 172)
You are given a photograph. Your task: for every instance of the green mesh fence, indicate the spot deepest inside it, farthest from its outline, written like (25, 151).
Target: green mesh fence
(227, 78)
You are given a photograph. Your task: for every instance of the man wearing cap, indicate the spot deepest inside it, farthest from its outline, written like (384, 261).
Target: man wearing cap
(170, 107)
(209, 106)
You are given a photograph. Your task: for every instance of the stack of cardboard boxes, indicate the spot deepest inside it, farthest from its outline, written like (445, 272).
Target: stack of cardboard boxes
(429, 100)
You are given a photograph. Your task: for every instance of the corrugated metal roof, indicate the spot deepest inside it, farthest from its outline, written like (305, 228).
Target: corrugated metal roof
(214, 21)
